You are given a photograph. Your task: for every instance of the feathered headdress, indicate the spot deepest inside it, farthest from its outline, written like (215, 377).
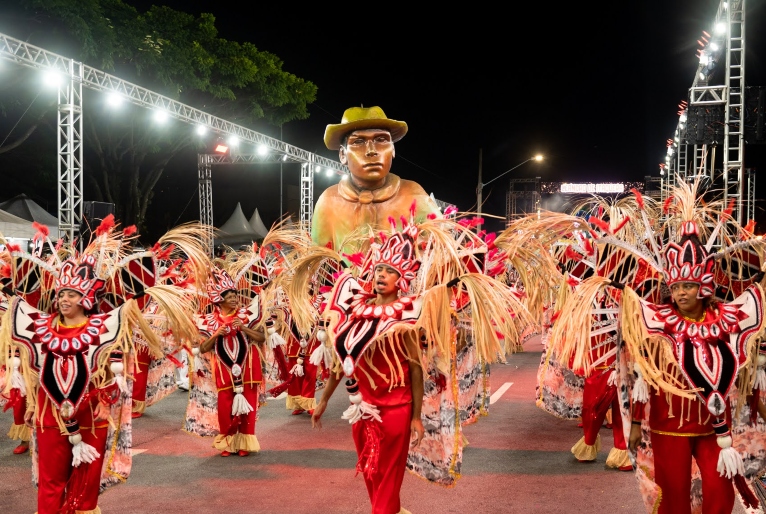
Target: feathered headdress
(398, 252)
(218, 284)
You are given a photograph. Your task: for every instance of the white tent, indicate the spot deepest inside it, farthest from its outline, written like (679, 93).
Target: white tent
(27, 209)
(256, 223)
(17, 228)
(236, 230)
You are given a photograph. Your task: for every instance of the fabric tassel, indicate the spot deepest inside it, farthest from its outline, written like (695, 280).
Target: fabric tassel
(275, 339)
(317, 356)
(117, 367)
(640, 390)
(360, 409)
(729, 461)
(748, 498)
(240, 404)
(198, 364)
(17, 381)
(760, 380)
(82, 453)
(297, 370)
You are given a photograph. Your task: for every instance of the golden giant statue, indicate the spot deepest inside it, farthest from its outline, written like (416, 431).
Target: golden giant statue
(367, 197)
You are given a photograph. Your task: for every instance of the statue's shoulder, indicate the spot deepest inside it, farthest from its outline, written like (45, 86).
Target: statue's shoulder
(328, 194)
(411, 187)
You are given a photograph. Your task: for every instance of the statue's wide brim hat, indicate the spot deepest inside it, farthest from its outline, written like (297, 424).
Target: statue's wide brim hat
(360, 118)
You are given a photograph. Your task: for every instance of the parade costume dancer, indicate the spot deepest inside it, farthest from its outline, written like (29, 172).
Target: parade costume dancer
(74, 362)
(687, 353)
(387, 320)
(230, 334)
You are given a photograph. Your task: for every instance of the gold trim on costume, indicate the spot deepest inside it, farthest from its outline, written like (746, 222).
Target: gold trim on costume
(682, 434)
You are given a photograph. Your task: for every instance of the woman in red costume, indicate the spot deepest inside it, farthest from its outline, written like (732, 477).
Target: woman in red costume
(230, 333)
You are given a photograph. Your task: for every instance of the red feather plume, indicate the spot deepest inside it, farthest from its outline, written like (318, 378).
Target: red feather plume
(639, 198)
(106, 225)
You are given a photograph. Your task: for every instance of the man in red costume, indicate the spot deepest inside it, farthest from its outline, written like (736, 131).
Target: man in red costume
(383, 371)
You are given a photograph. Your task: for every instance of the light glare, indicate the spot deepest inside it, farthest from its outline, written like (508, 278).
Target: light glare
(201, 130)
(720, 28)
(263, 150)
(233, 140)
(160, 116)
(51, 78)
(114, 99)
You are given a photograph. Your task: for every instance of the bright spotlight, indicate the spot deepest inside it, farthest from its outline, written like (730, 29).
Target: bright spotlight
(683, 117)
(219, 148)
(263, 150)
(538, 157)
(284, 157)
(720, 27)
(702, 76)
(233, 140)
(714, 46)
(114, 99)
(52, 78)
(704, 59)
(201, 130)
(317, 169)
(160, 116)
(329, 172)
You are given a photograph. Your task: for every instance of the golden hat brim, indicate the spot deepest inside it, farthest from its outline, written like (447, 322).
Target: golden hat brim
(359, 118)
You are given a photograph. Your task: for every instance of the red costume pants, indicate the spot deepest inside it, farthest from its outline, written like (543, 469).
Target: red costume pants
(18, 411)
(386, 481)
(304, 386)
(243, 424)
(673, 474)
(598, 396)
(143, 360)
(55, 470)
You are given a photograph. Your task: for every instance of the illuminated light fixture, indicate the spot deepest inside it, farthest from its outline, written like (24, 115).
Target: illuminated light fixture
(538, 157)
(725, 5)
(702, 76)
(114, 99)
(329, 172)
(284, 157)
(714, 46)
(201, 130)
(160, 116)
(52, 78)
(677, 139)
(233, 140)
(683, 117)
(720, 27)
(263, 150)
(317, 169)
(704, 59)
(221, 148)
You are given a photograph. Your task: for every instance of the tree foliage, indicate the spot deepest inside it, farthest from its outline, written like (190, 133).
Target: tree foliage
(167, 51)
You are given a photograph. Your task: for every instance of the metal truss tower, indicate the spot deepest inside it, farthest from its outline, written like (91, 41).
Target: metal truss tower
(692, 151)
(76, 75)
(521, 200)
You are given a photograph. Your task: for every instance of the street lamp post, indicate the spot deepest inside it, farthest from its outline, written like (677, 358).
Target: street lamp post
(480, 186)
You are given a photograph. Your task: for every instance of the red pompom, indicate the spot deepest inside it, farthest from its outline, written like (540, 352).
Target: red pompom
(639, 198)
(42, 229)
(666, 204)
(129, 231)
(106, 225)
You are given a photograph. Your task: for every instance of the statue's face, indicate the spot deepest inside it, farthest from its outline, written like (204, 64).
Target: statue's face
(368, 154)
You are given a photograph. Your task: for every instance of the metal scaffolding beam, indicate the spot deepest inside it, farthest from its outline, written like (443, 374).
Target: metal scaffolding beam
(70, 125)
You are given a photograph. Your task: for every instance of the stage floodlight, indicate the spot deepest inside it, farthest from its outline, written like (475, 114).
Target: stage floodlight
(284, 157)
(329, 172)
(720, 27)
(233, 140)
(220, 148)
(702, 76)
(52, 78)
(317, 169)
(201, 130)
(160, 116)
(263, 150)
(714, 46)
(114, 99)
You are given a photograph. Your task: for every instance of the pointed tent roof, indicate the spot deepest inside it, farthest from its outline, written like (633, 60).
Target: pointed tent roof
(13, 226)
(256, 223)
(27, 209)
(236, 230)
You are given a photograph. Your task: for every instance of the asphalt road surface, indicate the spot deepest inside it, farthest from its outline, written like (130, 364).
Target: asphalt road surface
(517, 461)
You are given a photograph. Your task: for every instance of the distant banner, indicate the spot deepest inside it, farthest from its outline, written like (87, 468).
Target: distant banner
(593, 188)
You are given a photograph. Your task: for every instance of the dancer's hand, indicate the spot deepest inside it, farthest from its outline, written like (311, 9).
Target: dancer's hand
(416, 432)
(101, 413)
(316, 418)
(29, 417)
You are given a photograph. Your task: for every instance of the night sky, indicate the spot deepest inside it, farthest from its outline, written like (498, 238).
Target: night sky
(594, 87)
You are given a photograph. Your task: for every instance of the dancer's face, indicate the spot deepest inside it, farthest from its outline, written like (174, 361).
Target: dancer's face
(385, 280)
(685, 296)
